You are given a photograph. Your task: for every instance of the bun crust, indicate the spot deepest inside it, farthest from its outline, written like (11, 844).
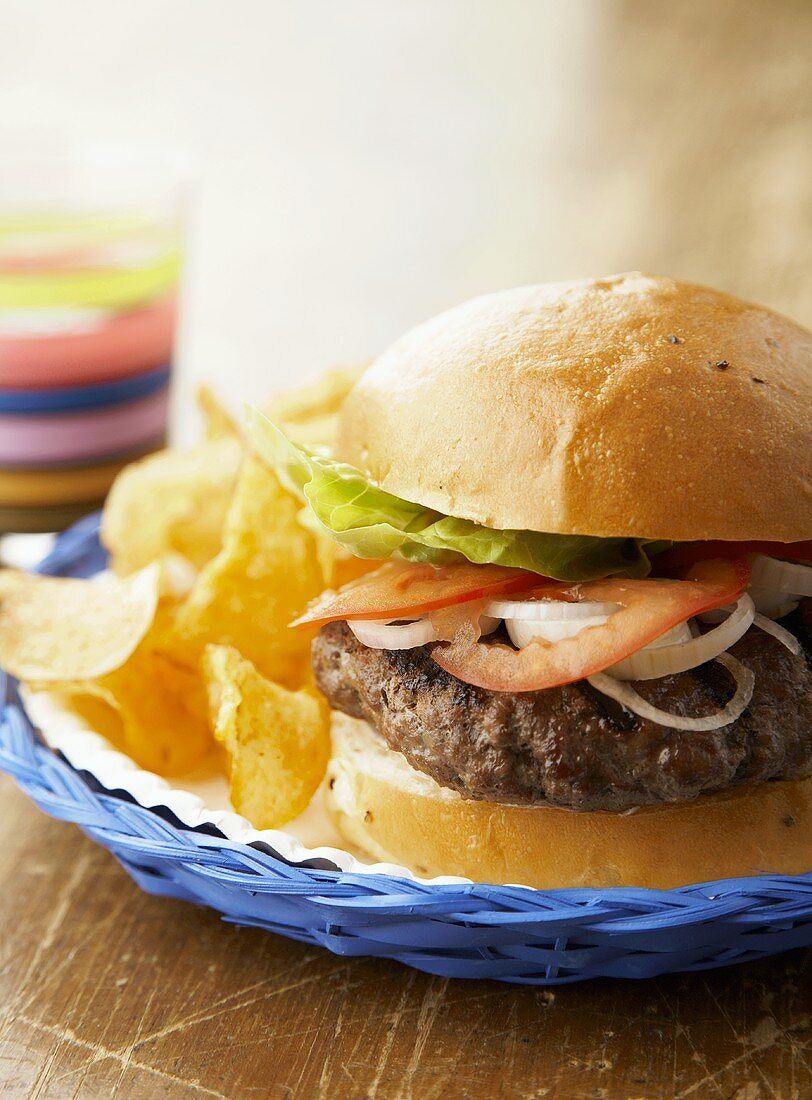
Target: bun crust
(625, 406)
(399, 815)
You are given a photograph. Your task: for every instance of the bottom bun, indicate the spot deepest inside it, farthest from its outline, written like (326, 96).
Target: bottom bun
(396, 814)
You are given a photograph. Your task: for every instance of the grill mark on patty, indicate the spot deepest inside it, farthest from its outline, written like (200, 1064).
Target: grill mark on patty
(571, 746)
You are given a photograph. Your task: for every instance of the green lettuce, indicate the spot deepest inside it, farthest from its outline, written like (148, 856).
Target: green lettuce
(371, 523)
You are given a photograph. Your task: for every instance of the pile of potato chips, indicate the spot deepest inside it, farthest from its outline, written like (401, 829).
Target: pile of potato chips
(183, 651)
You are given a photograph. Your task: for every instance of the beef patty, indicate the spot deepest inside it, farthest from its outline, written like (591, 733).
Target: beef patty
(571, 746)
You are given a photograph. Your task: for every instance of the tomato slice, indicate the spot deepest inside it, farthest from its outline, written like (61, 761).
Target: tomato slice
(647, 609)
(401, 589)
(680, 558)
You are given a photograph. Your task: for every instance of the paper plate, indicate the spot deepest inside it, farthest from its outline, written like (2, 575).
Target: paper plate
(174, 845)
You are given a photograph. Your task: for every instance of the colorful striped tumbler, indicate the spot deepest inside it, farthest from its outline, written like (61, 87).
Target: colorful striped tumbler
(90, 258)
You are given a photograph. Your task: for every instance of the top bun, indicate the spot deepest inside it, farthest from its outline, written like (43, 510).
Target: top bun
(626, 406)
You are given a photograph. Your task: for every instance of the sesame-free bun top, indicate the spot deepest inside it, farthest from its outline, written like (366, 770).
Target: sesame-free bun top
(626, 406)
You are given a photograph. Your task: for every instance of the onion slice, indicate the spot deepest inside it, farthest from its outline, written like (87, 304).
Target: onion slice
(772, 604)
(655, 661)
(781, 633)
(391, 635)
(629, 698)
(539, 611)
(781, 576)
(378, 635)
(524, 631)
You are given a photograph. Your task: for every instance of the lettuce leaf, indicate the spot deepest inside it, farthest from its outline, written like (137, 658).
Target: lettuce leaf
(371, 523)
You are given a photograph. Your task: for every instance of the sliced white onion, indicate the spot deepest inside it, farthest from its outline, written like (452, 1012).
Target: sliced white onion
(779, 632)
(781, 576)
(541, 610)
(665, 660)
(379, 634)
(773, 604)
(487, 624)
(675, 636)
(524, 631)
(382, 635)
(629, 698)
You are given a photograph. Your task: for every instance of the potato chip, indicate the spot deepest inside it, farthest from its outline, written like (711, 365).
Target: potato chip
(325, 395)
(265, 574)
(218, 421)
(171, 501)
(57, 628)
(162, 706)
(158, 701)
(177, 576)
(149, 717)
(277, 741)
(319, 431)
(310, 414)
(94, 710)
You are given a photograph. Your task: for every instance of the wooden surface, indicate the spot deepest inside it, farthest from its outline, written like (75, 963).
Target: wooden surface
(105, 991)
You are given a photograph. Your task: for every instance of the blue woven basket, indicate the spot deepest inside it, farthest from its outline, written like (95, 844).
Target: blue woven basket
(463, 931)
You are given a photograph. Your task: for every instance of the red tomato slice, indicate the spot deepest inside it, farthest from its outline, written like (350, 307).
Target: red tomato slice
(401, 589)
(648, 609)
(680, 558)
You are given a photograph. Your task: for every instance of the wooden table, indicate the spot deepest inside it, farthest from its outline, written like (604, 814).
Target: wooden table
(105, 991)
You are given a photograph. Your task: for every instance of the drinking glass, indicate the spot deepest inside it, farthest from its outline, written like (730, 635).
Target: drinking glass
(90, 264)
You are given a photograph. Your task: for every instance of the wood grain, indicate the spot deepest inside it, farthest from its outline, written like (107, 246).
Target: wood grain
(105, 991)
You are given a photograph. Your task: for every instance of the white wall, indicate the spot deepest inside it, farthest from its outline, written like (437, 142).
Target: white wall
(366, 163)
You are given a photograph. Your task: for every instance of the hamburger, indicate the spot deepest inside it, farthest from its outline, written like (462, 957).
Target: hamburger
(583, 659)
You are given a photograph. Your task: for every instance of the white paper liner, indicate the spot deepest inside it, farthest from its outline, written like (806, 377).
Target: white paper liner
(199, 797)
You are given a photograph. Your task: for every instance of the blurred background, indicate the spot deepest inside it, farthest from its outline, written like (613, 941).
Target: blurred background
(363, 165)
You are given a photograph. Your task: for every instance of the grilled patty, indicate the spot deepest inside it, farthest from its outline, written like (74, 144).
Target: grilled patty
(571, 746)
